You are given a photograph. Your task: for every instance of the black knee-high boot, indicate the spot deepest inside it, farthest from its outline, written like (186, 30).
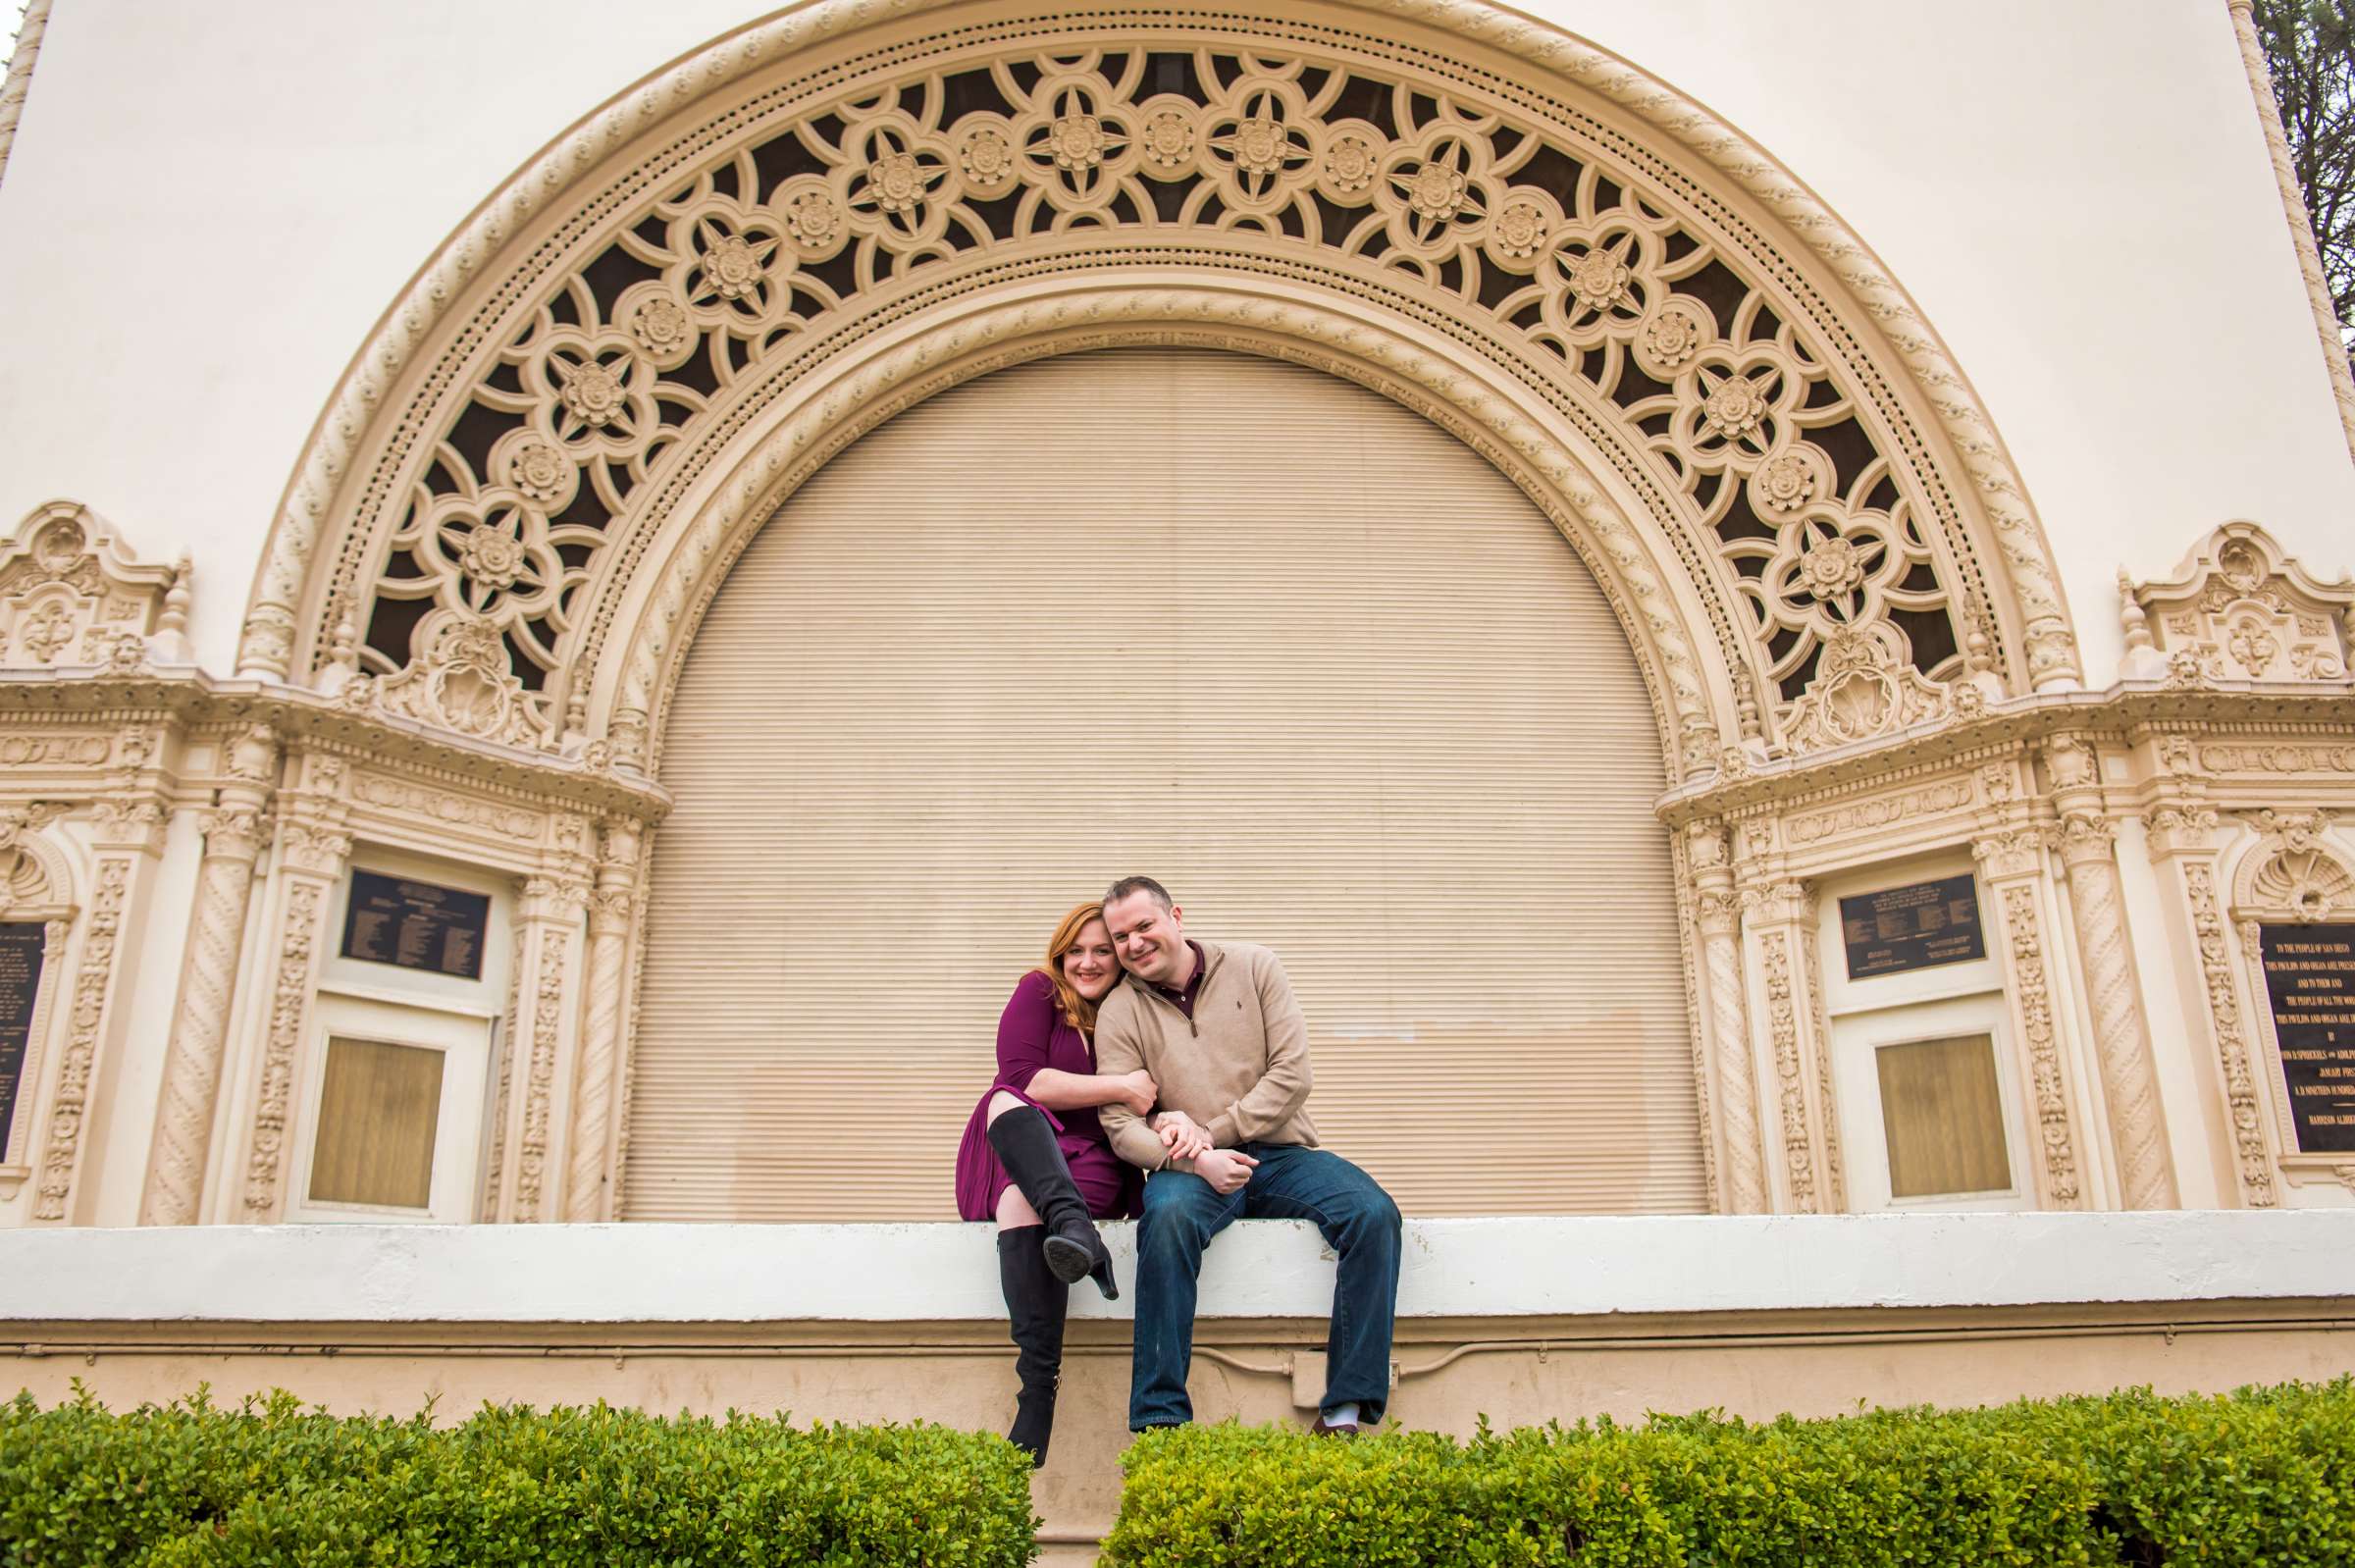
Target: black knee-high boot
(1035, 1301)
(1026, 1148)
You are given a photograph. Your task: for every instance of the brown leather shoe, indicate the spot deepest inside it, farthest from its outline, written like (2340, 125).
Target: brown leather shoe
(1321, 1430)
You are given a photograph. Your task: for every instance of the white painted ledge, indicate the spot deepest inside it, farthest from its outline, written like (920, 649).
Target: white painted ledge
(900, 1272)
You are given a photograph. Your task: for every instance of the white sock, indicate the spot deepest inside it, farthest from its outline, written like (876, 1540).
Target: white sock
(1341, 1415)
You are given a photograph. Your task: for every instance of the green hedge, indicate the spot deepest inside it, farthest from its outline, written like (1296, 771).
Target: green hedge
(2262, 1476)
(272, 1483)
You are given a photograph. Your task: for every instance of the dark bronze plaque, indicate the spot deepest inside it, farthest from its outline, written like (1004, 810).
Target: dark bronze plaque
(2310, 980)
(416, 925)
(20, 982)
(1917, 927)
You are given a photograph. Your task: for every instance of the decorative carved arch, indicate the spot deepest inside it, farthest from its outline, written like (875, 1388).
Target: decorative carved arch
(1809, 527)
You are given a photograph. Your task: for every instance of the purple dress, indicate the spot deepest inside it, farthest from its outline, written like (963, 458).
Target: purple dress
(1034, 1034)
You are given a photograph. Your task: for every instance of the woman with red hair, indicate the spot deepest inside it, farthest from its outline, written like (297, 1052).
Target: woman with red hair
(1035, 1159)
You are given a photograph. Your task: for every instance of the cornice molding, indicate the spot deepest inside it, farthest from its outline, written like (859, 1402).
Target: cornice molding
(2258, 709)
(191, 698)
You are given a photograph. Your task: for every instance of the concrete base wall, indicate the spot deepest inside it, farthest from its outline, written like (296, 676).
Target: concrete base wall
(1816, 1317)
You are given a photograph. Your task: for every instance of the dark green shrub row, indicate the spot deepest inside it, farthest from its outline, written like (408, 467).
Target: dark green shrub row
(2262, 1476)
(272, 1483)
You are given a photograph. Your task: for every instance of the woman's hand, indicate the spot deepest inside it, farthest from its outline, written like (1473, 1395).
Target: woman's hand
(1138, 1091)
(1180, 1135)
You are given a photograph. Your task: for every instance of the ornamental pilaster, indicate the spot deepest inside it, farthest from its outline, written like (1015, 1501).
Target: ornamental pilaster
(195, 1053)
(128, 824)
(2182, 833)
(1717, 913)
(308, 856)
(544, 1052)
(65, 1137)
(2087, 841)
(2013, 870)
(1775, 915)
(612, 909)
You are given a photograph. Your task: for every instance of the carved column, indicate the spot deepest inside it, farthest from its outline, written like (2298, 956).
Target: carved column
(309, 860)
(208, 978)
(589, 1194)
(2114, 995)
(544, 1045)
(1718, 914)
(2012, 866)
(93, 980)
(2183, 837)
(1775, 946)
(129, 838)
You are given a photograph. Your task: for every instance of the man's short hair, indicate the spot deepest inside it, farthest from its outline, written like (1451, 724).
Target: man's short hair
(1127, 885)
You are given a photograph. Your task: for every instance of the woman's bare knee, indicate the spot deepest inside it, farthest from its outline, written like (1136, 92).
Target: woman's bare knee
(1014, 1211)
(1001, 1102)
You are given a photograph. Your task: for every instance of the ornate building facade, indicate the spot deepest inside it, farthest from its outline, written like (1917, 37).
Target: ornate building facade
(804, 527)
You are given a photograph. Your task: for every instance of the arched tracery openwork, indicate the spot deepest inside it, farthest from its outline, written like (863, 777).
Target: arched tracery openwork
(631, 355)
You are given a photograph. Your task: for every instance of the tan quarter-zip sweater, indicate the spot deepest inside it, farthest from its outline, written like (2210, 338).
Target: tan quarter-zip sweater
(1239, 1066)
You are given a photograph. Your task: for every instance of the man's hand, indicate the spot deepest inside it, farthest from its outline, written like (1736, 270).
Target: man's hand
(1138, 1091)
(1180, 1135)
(1226, 1170)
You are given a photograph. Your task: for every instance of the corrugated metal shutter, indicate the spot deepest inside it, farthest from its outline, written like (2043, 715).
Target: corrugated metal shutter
(1231, 623)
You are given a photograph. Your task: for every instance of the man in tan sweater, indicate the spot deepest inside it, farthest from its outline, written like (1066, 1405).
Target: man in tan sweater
(1217, 1027)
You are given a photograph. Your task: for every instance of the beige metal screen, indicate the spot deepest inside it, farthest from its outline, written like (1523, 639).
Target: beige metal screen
(1232, 622)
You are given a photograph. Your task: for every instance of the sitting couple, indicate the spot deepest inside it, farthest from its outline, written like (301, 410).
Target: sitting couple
(1140, 1048)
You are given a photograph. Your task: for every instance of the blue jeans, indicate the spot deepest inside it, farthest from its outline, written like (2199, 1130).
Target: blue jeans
(1357, 1219)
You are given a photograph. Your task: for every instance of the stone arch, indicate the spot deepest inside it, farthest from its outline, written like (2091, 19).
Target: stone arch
(1622, 298)
(686, 565)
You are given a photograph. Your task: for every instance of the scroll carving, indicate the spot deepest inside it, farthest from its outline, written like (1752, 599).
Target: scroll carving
(2255, 1162)
(1782, 1020)
(540, 1075)
(2241, 609)
(2032, 996)
(70, 1105)
(290, 999)
(70, 593)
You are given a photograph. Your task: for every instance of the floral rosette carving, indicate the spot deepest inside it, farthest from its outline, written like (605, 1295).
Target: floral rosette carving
(728, 268)
(536, 469)
(1348, 161)
(1791, 481)
(497, 552)
(985, 150)
(1671, 335)
(1078, 141)
(1437, 195)
(1734, 407)
(896, 182)
(1526, 225)
(1169, 135)
(1602, 279)
(812, 217)
(1259, 143)
(1833, 567)
(660, 323)
(593, 393)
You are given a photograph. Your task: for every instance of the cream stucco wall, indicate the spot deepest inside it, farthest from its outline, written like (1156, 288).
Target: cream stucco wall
(206, 208)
